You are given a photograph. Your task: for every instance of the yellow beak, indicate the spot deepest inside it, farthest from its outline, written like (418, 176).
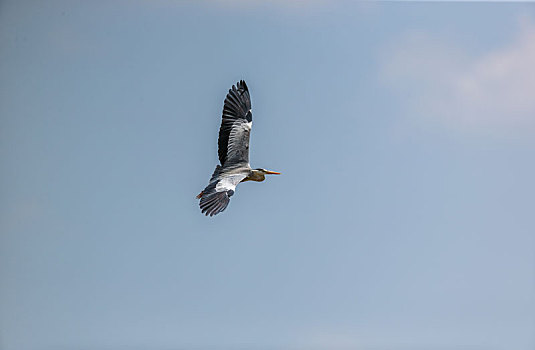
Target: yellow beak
(272, 172)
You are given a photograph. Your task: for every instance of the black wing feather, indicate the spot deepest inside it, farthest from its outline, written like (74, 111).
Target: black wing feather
(219, 202)
(213, 202)
(237, 108)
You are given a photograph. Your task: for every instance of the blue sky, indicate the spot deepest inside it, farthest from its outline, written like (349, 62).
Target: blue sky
(403, 218)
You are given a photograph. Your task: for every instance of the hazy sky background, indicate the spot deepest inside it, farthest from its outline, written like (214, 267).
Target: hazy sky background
(404, 218)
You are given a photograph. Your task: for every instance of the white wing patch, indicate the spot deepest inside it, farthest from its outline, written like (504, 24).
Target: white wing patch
(229, 182)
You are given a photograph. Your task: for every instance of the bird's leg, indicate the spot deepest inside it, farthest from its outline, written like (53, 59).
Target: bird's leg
(200, 195)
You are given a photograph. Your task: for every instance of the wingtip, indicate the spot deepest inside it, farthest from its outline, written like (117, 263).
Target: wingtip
(242, 85)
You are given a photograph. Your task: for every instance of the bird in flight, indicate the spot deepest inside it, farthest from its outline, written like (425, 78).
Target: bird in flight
(233, 153)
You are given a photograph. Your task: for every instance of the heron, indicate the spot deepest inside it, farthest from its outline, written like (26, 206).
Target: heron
(233, 151)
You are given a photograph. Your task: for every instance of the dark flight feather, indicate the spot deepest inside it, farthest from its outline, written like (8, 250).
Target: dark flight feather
(236, 113)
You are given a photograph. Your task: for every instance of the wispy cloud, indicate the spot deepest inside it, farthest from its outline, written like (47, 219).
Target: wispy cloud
(443, 82)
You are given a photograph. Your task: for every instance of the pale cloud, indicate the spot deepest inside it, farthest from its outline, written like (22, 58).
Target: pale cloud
(444, 83)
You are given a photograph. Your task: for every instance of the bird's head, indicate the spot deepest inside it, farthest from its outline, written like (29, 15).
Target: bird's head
(259, 174)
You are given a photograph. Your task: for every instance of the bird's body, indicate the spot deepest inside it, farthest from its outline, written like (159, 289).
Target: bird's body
(233, 152)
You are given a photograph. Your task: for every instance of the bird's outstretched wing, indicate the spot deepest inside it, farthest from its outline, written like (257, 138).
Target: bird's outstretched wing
(216, 196)
(236, 126)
